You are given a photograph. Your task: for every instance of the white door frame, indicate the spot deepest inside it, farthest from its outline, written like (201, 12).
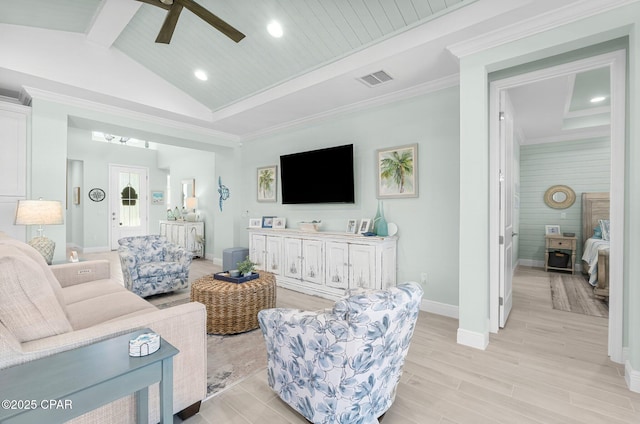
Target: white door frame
(616, 61)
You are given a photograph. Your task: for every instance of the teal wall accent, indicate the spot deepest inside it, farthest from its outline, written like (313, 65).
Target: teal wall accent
(610, 25)
(583, 165)
(428, 225)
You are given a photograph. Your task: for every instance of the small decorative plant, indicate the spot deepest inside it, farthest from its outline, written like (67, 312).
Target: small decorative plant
(246, 267)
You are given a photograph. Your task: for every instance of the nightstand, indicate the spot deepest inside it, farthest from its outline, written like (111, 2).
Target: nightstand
(558, 242)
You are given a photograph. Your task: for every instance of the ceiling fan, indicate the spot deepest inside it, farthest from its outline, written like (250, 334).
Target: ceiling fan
(174, 7)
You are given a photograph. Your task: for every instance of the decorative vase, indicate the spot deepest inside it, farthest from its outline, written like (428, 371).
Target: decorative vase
(379, 223)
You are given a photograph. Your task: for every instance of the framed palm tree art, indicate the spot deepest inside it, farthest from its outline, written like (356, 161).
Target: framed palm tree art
(397, 169)
(267, 183)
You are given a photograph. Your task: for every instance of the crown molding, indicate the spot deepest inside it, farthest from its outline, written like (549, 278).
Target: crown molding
(407, 93)
(564, 15)
(581, 134)
(30, 93)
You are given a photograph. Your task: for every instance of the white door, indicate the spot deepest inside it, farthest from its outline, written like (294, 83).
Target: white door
(337, 265)
(506, 206)
(312, 261)
(258, 251)
(362, 266)
(128, 204)
(273, 258)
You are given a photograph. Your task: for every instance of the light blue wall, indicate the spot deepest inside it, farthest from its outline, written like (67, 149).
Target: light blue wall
(428, 225)
(583, 165)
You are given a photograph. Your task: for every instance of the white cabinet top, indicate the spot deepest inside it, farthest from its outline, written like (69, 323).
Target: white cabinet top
(345, 237)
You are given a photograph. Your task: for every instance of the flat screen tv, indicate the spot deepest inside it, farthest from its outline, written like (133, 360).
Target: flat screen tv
(318, 176)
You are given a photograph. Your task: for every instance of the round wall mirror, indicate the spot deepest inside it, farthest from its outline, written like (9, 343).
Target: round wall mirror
(559, 197)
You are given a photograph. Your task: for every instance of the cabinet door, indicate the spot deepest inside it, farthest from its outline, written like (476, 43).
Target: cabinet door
(312, 260)
(362, 266)
(273, 259)
(293, 258)
(337, 265)
(257, 250)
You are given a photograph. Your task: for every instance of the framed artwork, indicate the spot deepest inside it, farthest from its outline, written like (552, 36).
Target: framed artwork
(279, 222)
(157, 197)
(267, 221)
(352, 226)
(397, 171)
(552, 230)
(364, 225)
(76, 195)
(267, 183)
(255, 223)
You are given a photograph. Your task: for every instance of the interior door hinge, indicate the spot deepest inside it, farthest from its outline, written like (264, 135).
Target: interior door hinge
(501, 301)
(501, 116)
(501, 239)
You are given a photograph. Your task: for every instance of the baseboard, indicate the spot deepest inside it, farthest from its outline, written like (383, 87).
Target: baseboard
(531, 263)
(216, 261)
(438, 308)
(473, 339)
(632, 377)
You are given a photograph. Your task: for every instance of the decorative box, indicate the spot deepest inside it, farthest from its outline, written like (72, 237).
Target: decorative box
(225, 276)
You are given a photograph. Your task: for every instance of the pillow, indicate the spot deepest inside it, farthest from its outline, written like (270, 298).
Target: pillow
(28, 306)
(597, 233)
(604, 225)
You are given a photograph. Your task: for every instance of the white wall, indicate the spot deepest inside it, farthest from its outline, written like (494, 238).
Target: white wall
(428, 225)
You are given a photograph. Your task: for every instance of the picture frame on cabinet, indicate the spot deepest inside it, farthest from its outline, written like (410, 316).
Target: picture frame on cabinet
(552, 230)
(267, 221)
(279, 223)
(397, 171)
(352, 226)
(364, 225)
(255, 223)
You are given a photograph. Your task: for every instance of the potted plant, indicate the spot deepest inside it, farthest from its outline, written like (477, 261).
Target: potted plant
(246, 267)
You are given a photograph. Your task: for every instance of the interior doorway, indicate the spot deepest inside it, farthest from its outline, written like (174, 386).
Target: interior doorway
(615, 62)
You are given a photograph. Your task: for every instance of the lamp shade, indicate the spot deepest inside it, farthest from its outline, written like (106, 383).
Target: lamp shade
(39, 212)
(192, 202)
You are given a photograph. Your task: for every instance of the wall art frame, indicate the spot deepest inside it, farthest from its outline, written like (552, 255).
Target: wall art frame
(397, 172)
(267, 183)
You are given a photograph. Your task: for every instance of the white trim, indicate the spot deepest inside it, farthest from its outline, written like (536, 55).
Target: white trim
(555, 18)
(587, 112)
(407, 93)
(473, 339)
(616, 62)
(579, 134)
(444, 309)
(632, 377)
(216, 261)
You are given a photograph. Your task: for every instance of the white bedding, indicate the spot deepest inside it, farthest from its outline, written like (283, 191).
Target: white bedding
(590, 256)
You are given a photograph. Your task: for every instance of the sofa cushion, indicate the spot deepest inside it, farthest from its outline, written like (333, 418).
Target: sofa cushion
(99, 309)
(28, 306)
(41, 263)
(84, 291)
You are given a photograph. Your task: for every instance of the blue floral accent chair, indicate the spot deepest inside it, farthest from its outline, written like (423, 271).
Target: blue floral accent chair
(342, 365)
(152, 265)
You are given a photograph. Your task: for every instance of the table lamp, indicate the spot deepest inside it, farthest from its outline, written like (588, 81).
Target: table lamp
(40, 212)
(191, 206)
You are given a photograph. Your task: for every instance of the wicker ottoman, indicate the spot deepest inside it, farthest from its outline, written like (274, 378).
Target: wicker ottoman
(233, 308)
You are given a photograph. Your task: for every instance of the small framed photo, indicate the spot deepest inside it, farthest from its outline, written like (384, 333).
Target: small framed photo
(267, 221)
(364, 226)
(352, 226)
(267, 183)
(279, 222)
(157, 197)
(255, 223)
(552, 230)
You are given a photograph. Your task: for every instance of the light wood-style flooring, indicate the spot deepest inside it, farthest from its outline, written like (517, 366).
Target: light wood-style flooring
(546, 366)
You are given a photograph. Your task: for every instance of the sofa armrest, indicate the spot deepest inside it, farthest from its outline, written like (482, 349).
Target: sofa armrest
(177, 253)
(73, 273)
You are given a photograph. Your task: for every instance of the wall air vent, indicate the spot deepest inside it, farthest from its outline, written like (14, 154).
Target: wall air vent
(376, 78)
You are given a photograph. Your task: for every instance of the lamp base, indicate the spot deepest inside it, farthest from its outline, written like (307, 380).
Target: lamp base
(45, 246)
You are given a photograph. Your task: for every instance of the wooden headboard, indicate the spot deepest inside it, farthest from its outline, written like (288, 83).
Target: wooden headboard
(595, 206)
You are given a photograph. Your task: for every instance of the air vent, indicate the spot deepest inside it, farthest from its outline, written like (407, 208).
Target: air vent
(376, 78)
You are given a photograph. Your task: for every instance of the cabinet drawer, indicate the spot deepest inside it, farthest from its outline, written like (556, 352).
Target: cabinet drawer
(560, 244)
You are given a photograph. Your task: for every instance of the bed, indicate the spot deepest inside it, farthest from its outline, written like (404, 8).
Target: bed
(595, 253)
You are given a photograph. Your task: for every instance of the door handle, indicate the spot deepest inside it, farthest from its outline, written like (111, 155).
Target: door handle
(514, 234)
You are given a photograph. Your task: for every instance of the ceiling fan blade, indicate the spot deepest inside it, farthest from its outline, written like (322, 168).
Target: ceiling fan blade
(157, 3)
(169, 25)
(212, 20)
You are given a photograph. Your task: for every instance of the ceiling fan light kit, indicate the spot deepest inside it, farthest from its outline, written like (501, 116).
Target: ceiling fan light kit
(174, 8)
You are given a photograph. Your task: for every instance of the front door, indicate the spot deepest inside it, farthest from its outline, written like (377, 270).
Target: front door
(128, 207)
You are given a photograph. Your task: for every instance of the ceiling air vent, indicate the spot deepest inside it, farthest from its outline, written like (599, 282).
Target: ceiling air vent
(376, 78)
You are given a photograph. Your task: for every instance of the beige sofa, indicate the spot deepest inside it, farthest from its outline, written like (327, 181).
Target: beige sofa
(48, 309)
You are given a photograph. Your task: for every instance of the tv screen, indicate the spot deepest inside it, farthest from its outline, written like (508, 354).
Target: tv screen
(318, 176)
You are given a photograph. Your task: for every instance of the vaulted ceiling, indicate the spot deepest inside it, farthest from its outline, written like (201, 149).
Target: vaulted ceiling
(104, 50)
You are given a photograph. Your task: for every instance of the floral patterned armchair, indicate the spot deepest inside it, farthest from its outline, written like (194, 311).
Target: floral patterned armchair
(342, 365)
(152, 265)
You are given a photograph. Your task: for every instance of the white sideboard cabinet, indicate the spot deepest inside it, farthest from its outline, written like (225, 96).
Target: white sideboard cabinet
(187, 234)
(324, 263)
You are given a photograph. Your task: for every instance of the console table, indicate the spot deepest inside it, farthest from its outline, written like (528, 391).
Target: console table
(68, 384)
(188, 234)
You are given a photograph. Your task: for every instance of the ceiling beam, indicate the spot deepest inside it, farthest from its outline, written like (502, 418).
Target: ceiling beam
(111, 17)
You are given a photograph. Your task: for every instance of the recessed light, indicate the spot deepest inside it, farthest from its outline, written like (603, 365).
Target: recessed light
(275, 29)
(598, 99)
(201, 75)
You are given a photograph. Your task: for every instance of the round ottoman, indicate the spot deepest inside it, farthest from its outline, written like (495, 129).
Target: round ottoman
(233, 308)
